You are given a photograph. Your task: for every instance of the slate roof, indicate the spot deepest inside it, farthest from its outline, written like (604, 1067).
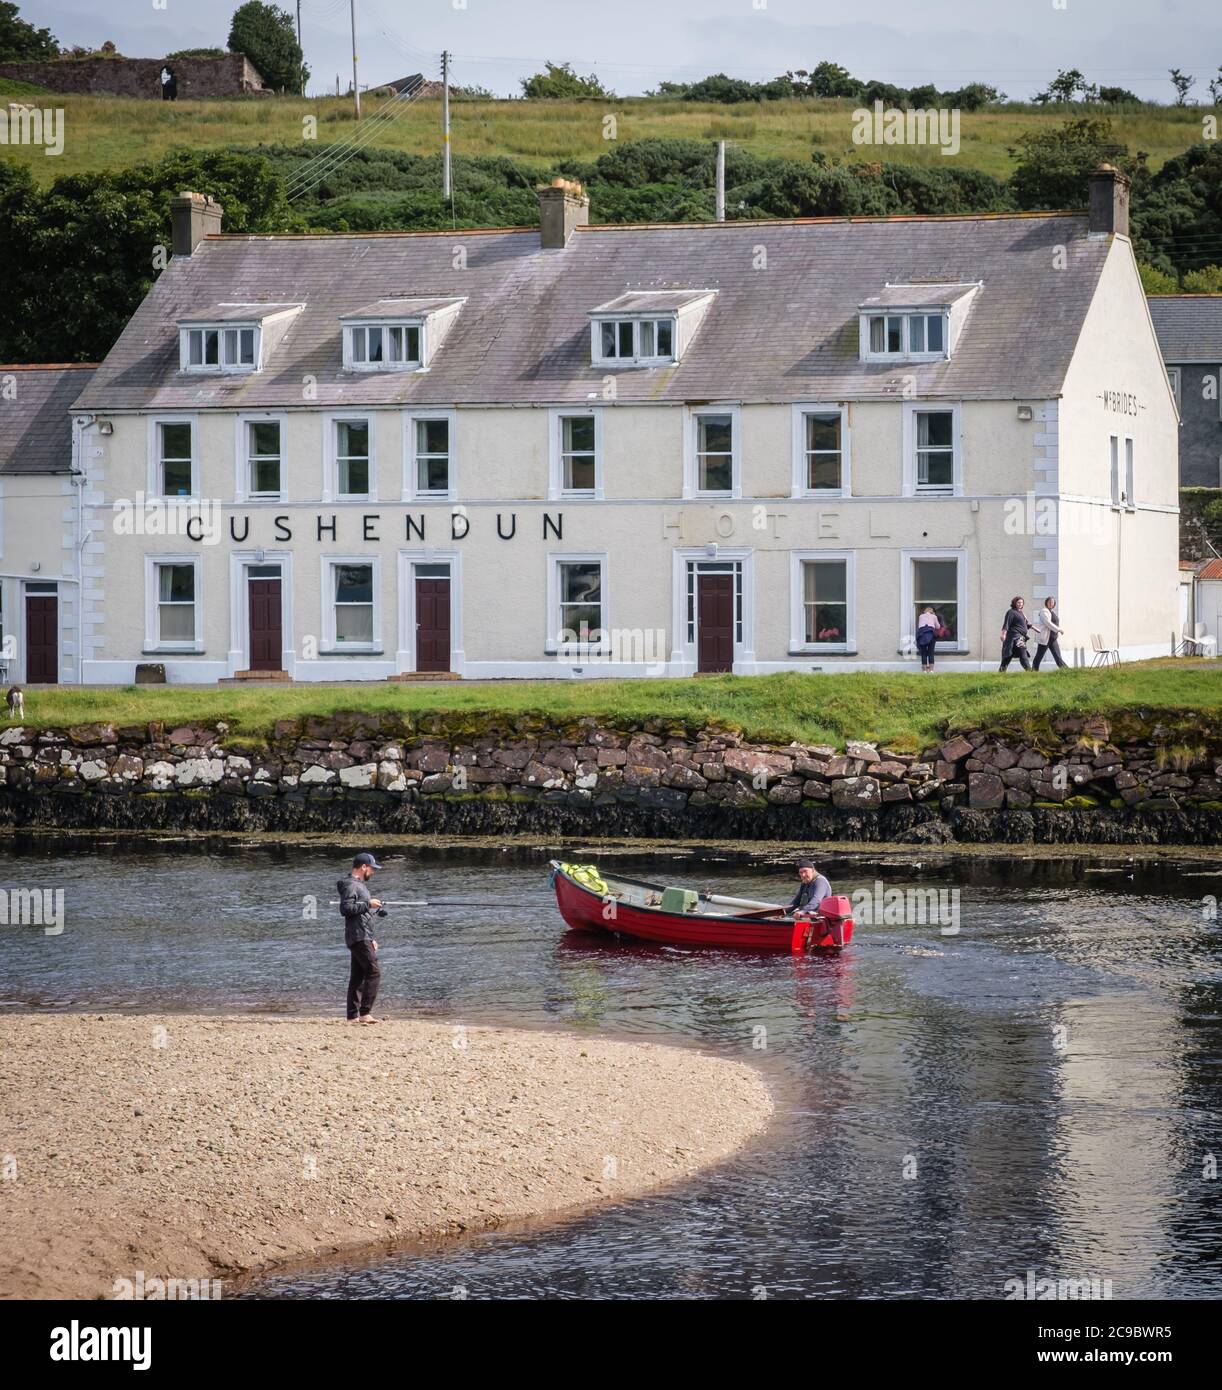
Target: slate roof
(36, 423)
(782, 327)
(236, 313)
(917, 296)
(1189, 326)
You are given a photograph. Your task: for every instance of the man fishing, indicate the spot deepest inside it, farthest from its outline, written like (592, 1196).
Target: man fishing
(812, 888)
(357, 909)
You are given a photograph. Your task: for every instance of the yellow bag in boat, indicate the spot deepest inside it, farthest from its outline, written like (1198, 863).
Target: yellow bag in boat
(588, 876)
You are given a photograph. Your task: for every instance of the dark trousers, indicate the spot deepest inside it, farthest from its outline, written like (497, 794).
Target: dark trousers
(1015, 648)
(926, 651)
(364, 980)
(1044, 648)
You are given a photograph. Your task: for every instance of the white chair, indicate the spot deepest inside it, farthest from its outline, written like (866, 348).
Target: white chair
(1200, 643)
(1104, 656)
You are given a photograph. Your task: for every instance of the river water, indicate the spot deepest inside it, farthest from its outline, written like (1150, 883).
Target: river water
(1039, 1092)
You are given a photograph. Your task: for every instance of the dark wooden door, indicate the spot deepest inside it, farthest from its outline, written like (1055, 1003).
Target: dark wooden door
(266, 636)
(715, 622)
(432, 624)
(42, 639)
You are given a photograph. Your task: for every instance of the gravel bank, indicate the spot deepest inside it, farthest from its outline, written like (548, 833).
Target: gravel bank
(195, 1147)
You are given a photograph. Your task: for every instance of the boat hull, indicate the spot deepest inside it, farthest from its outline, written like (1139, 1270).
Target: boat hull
(587, 911)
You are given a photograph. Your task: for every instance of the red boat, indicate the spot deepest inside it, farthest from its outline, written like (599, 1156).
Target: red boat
(592, 902)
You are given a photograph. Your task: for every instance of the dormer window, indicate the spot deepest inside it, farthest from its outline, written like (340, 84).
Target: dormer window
(397, 335)
(232, 338)
(646, 328)
(913, 323)
(637, 340)
(384, 347)
(907, 335)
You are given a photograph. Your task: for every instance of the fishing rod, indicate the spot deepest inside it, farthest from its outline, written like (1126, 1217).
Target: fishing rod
(434, 902)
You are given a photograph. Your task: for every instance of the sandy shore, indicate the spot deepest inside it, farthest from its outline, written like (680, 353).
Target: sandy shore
(205, 1147)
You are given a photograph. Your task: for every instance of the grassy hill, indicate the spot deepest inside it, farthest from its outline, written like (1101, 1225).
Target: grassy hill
(114, 132)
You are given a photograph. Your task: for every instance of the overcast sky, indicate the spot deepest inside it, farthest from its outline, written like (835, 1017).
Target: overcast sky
(633, 44)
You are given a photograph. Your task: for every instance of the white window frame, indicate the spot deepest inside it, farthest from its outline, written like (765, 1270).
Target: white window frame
(911, 410)
(691, 436)
(636, 359)
(241, 481)
(331, 423)
(907, 597)
(797, 607)
(867, 354)
(798, 485)
(330, 644)
(411, 491)
(220, 367)
(154, 484)
(685, 654)
(552, 644)
(352, 365)
(1173, 376)
(555, 426)
(152, 601)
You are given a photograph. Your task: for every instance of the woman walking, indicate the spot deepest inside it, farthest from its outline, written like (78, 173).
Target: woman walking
(1048, 634)
(928, 626)
(1014, 630)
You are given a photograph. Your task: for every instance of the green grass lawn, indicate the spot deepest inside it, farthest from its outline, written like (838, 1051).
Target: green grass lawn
(905, 711)
(114, 132)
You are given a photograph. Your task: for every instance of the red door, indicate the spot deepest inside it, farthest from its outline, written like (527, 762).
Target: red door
(266, 638)
(42, 639)
(432, 624)
(714, 622)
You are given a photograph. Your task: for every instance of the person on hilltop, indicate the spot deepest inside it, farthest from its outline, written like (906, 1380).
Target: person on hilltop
(1014, 630)
(357, 909)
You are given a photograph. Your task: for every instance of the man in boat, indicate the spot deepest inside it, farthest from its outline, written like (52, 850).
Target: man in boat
(357, 909)
(812, 888)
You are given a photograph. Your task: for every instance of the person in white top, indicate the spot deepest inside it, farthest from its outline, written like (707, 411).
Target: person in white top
(1048, 633)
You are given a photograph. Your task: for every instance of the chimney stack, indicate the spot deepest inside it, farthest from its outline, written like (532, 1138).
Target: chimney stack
(193, 216)
(1109, 201)
(563, 206)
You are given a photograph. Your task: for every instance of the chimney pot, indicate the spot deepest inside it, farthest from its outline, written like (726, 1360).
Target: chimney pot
(1109, 201)
(563, 206)
(193, 216)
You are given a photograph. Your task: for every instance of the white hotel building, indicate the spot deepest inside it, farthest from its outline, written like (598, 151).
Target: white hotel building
(606, 450)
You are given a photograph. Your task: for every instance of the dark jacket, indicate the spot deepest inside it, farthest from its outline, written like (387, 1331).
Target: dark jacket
(1014, 627)
(354, 899)
(810, 895)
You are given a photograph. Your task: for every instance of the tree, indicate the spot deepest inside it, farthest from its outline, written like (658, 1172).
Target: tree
(561, 83)
(1215, 88)
(21, 42)
(1182, 84)
(1207, 280)
(831, 80)
(1063, 87)
(1054, 165)
(1117, 96)
(265, 34)
(1155, 281)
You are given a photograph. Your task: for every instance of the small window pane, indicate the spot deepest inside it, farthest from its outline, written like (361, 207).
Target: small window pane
(825, 599)
(916, 333)
(934, 428)
(175, 441)
(895, 334)
(374, 340)
(195, 348)
(247, 337)
(878, 341)
(230, 347)
(352, 438)
(354, 583)
(608, 339)
(935, 584)
(624, 333)
(176, 478)
(935, 337)
(647, 337)
(578, 434)
(265, 438)
(211, 347)
(354, 622)
(177, 583)
(412, 343)
(433, 436)
(358, 344)
(665, 338)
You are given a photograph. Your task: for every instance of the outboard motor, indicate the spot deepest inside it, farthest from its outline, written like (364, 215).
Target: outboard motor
(836, 917)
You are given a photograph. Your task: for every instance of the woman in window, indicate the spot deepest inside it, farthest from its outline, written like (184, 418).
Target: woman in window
(1014, 630)
(928, 627)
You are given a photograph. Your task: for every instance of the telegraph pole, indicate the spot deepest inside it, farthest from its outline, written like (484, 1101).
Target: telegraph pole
(446, 184)
(356, 86)
(303, 92)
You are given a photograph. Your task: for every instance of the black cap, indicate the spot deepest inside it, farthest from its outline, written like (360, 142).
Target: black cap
(806, 863)
(365, 859)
